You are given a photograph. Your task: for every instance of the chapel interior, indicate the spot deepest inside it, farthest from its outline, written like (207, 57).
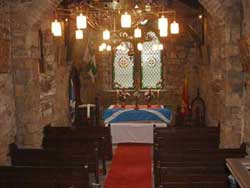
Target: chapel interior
(125, 93)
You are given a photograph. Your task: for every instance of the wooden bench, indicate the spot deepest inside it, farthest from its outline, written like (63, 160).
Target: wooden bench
(97, 132)
(187, 133)
(194, 181)
(71, 137)
(41, 177)
(56, 157)
(199, 155)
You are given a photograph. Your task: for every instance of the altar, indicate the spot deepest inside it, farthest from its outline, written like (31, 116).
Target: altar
(130, 125)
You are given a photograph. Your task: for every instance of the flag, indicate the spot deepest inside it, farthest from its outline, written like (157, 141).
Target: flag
(74, 92)
(89, 58)
(72, 100)
(185, 99)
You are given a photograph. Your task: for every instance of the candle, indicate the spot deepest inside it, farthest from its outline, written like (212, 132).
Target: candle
(158, 96)
(88, 111)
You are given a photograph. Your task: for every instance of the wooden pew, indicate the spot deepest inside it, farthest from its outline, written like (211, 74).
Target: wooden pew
(202, 161)
(194, 181)
(199, 155)
(41, 177)
(56, 157)
(97, 132)
(72, 137)
(190, 151)
(202, 131)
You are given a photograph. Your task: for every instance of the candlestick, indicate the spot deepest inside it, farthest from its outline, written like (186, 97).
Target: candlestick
(158, 96)
(88, 111)
(117, 97)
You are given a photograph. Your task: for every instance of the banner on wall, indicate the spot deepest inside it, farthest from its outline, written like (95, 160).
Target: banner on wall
(74, 93)
(89, 58)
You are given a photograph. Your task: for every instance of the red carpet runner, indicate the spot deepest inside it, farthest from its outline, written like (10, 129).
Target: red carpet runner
(131, 167)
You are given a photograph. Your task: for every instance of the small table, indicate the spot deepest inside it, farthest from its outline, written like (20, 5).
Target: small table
(88, 106)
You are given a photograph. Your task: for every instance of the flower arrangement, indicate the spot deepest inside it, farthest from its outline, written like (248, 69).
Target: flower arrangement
(136, 95)
(123, 95)
(149, 95)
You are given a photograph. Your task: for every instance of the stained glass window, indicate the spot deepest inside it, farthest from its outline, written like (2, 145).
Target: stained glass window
(151, 64)
(123, 66)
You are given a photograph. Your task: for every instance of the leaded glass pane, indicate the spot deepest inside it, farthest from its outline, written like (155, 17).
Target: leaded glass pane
(124, 66)
(151, 62)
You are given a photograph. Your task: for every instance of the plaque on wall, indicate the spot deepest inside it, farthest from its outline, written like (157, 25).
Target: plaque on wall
(4, 56)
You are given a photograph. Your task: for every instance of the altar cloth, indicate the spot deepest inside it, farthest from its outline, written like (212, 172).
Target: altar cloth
(134, 132)
(116, 114)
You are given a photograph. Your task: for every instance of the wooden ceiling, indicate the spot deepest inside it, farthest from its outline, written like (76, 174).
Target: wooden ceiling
(191, 3)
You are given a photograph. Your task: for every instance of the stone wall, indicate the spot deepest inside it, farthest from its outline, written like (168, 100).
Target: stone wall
(222, 78)
(7, 102)
(246, 35)
(30, 99)
(39, 99)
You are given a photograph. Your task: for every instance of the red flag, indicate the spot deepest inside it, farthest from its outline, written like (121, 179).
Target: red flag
(185, 99)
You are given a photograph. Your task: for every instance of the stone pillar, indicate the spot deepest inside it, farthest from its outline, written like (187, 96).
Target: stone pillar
(7, 101)
(225, 81)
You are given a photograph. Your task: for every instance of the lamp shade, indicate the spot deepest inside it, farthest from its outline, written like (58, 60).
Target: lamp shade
(56, 28)
(106, 35)
(163, 32)
(160, 47)
(108, 48)
(137, 33)
(104, 46)
(81, 21)
(79, 34)
(163, 23)
(101, 48)
(174, 28)
(139, 46)
(126, 20)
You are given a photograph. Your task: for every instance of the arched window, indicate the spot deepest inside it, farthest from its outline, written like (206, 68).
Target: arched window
(151, 62)
(123, 67)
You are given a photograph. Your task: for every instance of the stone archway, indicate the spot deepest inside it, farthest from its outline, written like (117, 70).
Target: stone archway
(26, 77)
(33, 106)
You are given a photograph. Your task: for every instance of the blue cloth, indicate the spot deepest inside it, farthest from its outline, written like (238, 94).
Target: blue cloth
(125, 115)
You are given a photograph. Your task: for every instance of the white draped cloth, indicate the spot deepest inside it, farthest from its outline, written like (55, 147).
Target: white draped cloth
(134, 132)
